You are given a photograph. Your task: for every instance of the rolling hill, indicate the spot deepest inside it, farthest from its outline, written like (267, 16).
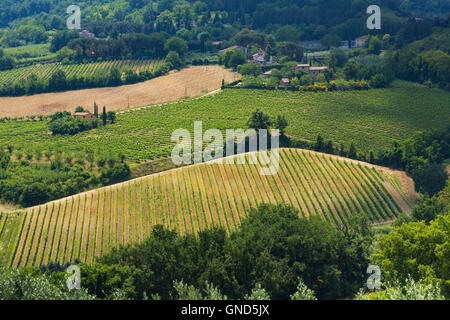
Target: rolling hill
(196, 197)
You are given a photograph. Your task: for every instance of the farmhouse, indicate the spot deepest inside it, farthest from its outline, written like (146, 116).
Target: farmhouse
(267, 74)
(302, 67)
(312, 71)
(359, 42)
(83, 115)
(315, 71)
(86, 34)
(284, 82)
(260, 58)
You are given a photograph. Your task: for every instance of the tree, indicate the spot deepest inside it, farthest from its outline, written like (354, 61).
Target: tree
(104, 116)
(429, 178)
(306, 80)
(115, 77)
(374, 45)
(251, 68)
(352, 70)
(291, 50)
(330, 40)
(352, 153)
(111, 115)
(34, 194)
(258, 293)
(65, 53)
(281, 124)
(320, 145)
(62, 39)
(176, 44)
(79, 109)
(428, 208)
(303, 293)
(410, 290)
(234, 58)
(6, 62)
(259, 121)
(58, 81)
(173, 60)
(418, 250)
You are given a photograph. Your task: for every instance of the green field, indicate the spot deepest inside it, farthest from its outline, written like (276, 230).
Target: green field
(44, 71)
(371, 119)
(194, 198)
(32, 52)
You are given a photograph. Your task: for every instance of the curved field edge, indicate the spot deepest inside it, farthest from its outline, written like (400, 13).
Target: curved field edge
(195, 197)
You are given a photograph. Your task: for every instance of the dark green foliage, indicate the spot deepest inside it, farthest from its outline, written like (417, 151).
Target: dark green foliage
(65, 123)
(429, 178)
(62, 38)
(233, 58)
(104, 116)
(6, 62)
(173, 60)
(274, 247)
(428, 208)
(425, 60)
(281, 124)
(251, 69)
(259, 121)
(117, 173)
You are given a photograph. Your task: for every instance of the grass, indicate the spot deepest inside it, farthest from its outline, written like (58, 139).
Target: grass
(190, 199)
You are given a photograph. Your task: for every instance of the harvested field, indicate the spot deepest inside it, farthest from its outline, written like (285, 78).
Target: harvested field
(190, 82)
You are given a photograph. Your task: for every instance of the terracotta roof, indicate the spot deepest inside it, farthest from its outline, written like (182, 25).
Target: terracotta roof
(81, 114)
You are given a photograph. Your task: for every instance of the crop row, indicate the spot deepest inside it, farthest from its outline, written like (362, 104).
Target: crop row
(198, 197)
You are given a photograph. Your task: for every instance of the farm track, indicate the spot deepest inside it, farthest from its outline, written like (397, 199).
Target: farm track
(193, 198)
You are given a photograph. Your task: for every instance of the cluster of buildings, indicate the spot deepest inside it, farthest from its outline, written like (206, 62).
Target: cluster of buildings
(306, 68)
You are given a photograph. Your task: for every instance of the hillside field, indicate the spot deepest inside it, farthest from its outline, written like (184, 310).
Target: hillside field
(372, 119)
(197, 197)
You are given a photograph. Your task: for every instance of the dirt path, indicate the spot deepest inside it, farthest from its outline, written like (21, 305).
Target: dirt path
(192, 81)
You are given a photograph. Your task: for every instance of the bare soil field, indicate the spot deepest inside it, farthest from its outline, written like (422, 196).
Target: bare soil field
(192, 81)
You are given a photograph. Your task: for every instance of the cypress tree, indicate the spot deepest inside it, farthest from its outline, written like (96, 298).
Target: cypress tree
(104, 116)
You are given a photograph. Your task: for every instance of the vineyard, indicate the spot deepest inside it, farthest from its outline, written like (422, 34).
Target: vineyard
(44, 71)
(372, 120)
(197, 197)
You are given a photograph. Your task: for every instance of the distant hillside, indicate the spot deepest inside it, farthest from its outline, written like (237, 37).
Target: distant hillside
(344, 17)
(202, 196)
